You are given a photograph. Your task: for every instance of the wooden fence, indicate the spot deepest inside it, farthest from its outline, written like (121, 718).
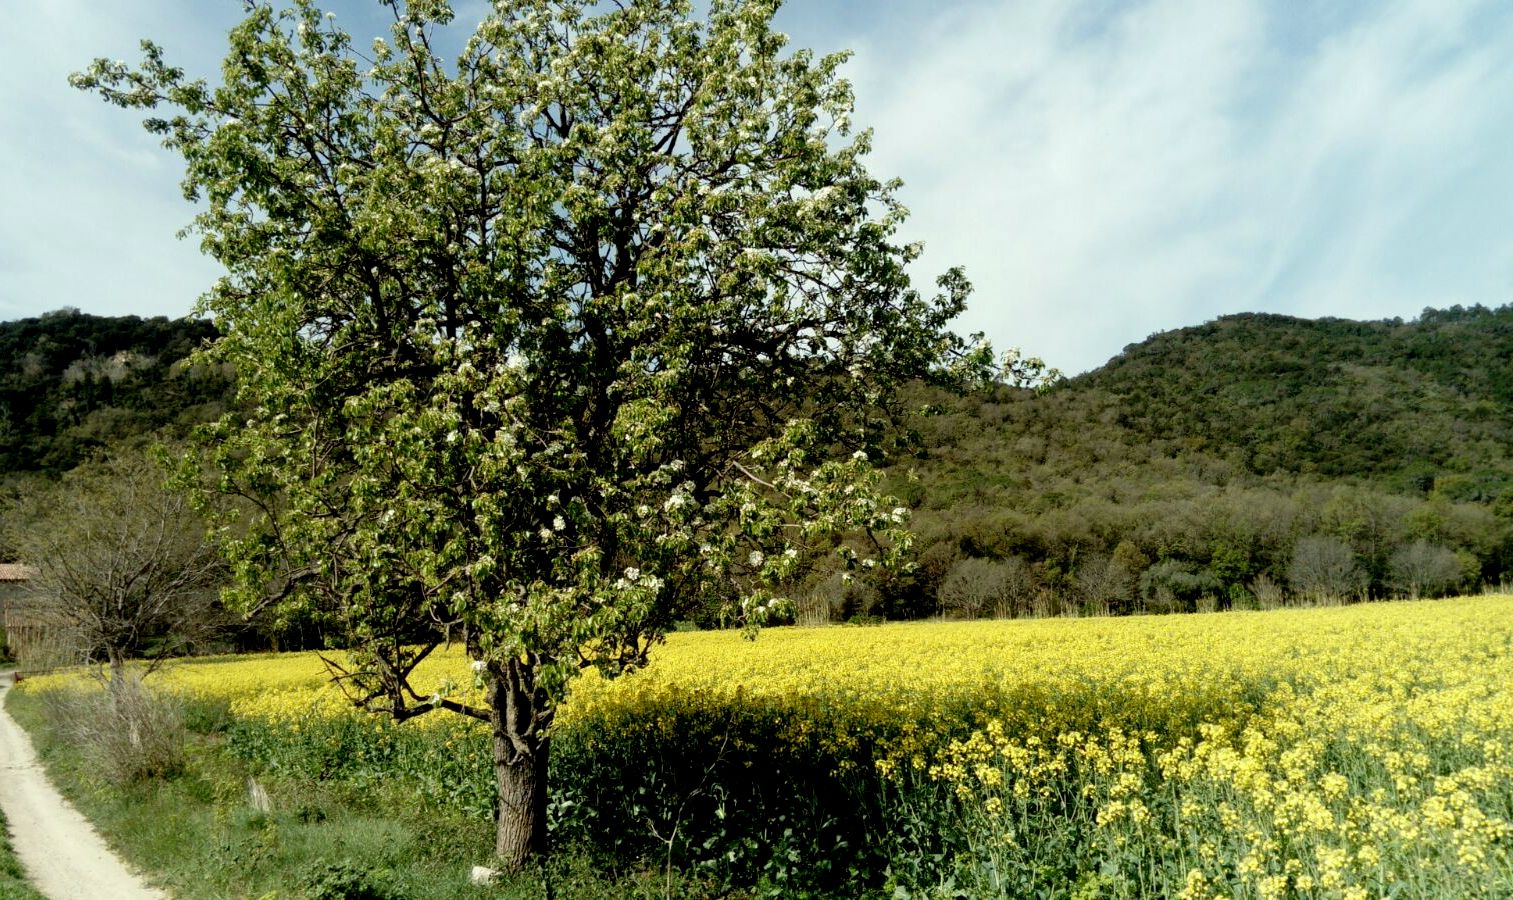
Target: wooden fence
(32, 642)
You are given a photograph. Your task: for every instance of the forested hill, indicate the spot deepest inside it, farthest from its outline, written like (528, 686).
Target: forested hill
(72, 384)
(1219, 460)
(1422, 405)
(1207, 462)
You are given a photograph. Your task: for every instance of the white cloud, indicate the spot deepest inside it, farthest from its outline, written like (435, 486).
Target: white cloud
(1105, 173)
(92, 201)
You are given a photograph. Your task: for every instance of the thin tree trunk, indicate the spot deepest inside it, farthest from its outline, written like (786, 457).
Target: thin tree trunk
(117, 672)
(521, 756)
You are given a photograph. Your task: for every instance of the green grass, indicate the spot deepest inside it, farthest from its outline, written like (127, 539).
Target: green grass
(197, 834)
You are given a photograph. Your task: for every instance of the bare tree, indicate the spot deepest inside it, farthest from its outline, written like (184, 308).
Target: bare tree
(124, 566)
(1324, 568)
(1020, 588)
(975, 586)
(1421, 569)
(1105, 584)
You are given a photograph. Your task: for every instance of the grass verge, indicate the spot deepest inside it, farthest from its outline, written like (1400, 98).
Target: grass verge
(204, 832)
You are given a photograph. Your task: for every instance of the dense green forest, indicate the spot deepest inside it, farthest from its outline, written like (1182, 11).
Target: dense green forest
(72, 385)
(1256, 459)
(1420, 407)
(1253, 460)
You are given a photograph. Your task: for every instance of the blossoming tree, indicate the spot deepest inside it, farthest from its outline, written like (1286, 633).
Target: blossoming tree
(541, 346)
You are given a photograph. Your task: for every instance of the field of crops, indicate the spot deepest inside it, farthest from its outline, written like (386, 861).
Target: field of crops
(1346, 752)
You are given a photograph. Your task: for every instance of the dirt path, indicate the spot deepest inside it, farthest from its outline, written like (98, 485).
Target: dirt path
(63, 855)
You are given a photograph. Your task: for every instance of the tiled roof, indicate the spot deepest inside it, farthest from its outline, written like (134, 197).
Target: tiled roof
(17, 572)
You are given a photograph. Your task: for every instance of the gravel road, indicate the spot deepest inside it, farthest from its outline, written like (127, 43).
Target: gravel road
(63, 854)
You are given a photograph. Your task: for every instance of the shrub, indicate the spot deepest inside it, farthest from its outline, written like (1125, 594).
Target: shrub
(1171, 586)
(344, 880)
(1267, 593)
(129, 733)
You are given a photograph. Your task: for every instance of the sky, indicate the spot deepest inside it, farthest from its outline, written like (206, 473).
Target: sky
(1102, 170)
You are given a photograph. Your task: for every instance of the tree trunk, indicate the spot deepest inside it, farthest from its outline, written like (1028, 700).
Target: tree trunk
(117, 672)
(520, 829)
(521, 756)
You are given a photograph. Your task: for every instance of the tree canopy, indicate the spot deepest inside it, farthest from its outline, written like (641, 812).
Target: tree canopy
(544, 346)
(123, 566)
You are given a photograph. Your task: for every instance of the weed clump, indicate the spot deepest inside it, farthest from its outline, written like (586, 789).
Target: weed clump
(342, 880)
(130, 733)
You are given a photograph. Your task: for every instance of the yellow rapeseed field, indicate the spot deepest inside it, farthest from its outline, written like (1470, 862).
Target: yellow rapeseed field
(1343, 752)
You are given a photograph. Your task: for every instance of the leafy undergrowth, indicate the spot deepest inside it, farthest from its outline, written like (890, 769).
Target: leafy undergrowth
(201, 832)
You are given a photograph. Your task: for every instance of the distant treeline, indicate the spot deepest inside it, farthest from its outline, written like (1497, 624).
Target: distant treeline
(1251, 461)
(1254, 460)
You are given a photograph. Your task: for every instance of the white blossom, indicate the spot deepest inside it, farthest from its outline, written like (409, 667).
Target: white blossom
(755, 558)
(558, 524)
(633, 574)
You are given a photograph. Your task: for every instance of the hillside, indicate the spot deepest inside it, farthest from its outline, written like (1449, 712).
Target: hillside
(1197, 463)
(1421, 406)
(72, 384)
(1206, 465)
